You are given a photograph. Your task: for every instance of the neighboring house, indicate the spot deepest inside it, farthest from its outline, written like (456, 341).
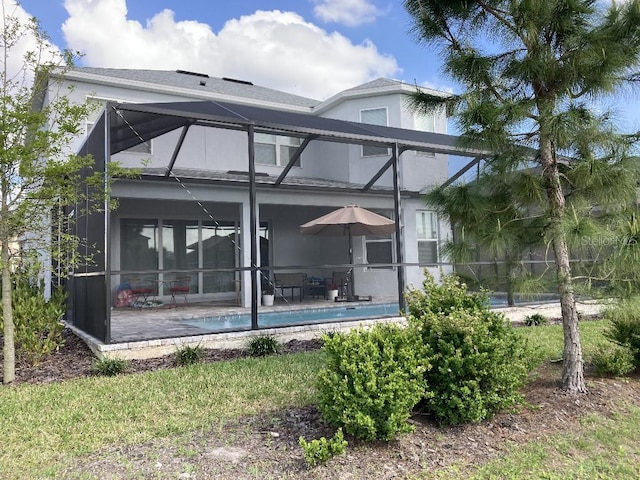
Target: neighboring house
(191, 209)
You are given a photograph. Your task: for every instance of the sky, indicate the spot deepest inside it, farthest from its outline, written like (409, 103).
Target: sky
(313, 48)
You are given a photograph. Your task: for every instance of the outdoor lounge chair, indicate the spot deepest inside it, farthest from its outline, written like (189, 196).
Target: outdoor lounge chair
(291, 281)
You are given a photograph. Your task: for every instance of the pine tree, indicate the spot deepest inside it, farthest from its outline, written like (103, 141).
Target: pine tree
(496, 220)
(531, 72)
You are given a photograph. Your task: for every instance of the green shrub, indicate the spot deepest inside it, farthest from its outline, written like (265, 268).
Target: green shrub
(110, 367)
(38, 330)
(188, 355)
(263, 345)
(478, 362)
(625, 326)
(535, 319)
(320, 450)
(371, 381)
(616, 361)
(450, 295)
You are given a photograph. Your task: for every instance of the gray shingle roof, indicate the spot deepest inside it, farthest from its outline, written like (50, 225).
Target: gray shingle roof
(212, 85)
(377, 83)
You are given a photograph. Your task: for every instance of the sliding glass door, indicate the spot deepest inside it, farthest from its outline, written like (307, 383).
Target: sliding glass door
(190, 249)
(219, 250)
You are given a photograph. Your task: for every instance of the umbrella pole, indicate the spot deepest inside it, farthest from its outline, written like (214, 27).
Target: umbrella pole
(350, 286)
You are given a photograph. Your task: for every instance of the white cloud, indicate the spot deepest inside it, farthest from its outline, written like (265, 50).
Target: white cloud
(347, 12)
(25, 43)
(270, 48)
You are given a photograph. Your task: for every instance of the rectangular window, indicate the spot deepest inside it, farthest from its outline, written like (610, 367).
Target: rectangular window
(180, 250)
(275, 149)
(218, 251)
(427, 233)
(138, 247)
(425, 123)
(374, 116)
(379, 248)
(288, 147)
(265, 147)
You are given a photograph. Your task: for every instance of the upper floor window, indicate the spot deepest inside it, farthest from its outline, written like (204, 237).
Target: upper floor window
(276, 149)
(427, 232)
(374, 116)
(425, 123)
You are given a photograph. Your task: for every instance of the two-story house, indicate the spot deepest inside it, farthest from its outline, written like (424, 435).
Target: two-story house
(228, 171)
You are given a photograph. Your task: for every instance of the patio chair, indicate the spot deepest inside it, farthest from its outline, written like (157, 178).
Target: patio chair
(291, 281)
(142, 290)
(179, 288)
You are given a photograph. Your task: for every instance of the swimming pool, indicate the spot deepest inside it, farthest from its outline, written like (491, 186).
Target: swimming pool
(296, 317)
(340, 312)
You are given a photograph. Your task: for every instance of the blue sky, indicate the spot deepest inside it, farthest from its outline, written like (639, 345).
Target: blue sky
(313, 48)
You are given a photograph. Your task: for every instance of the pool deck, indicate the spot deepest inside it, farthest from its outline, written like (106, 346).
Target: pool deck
(154, 332)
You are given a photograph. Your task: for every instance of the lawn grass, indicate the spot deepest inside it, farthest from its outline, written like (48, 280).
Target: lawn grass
(603, 448)
(547, 340)
(44, 426)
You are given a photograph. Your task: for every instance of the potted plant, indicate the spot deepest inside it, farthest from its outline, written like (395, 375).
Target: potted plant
(332, 291)
(268, 294)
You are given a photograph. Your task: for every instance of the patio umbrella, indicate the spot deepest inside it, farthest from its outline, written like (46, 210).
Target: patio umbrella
(349, 221)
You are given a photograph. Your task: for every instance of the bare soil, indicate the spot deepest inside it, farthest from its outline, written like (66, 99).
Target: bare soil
(266, 445)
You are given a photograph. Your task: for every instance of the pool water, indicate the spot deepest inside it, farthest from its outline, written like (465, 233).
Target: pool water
(295, 317)
(310, 315)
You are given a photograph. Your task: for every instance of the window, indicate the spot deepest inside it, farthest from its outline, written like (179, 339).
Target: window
(138, 246)
(379, 248)
(427, 233)
(425, 123)
(276, 149)
(374, 116)
(219, 245)
(179, 248)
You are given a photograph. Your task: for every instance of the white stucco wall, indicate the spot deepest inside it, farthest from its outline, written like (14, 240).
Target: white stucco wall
(285, 210)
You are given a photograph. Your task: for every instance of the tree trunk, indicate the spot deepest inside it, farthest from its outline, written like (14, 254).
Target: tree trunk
(510, 270)
(8, 348)
(572, 368)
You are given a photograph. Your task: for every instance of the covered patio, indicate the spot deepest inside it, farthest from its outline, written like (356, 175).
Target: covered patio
(243, 202)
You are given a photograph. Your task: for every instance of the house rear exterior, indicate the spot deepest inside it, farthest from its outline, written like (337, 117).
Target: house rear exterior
(189, 212)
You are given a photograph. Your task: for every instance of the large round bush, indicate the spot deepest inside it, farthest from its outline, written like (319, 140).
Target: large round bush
(478, 363)
(372, 380)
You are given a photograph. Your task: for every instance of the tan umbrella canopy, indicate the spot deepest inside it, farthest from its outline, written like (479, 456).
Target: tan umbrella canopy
(349, 221)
